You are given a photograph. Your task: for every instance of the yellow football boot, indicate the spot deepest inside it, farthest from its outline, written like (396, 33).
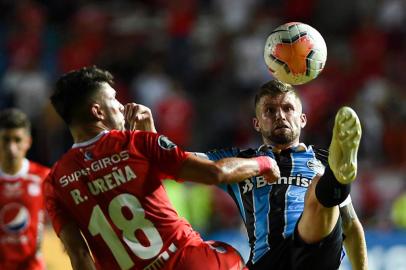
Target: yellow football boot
(344, 145)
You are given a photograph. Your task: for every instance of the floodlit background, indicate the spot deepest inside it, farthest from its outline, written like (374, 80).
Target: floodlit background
(197, 64)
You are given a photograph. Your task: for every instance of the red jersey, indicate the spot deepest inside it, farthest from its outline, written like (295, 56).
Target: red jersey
(22, 217)
(111, 187)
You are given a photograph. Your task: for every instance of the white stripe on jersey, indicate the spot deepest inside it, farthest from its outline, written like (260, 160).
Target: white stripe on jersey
(346, 201)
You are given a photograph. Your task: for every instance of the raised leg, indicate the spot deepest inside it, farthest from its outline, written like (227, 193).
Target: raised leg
(325, 193)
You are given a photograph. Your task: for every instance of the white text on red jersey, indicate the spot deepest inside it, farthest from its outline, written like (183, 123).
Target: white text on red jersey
(95, 166)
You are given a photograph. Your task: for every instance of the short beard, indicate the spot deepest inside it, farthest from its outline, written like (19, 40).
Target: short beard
(282, 138)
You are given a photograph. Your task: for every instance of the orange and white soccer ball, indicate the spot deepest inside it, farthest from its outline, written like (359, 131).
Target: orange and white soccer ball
(295, 53)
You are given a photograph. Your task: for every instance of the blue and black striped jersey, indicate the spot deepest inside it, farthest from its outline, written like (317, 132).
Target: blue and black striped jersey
(270, 211)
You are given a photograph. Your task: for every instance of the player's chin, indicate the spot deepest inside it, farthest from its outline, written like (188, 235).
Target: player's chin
(282, 129)
(281, 138)
(281, 132)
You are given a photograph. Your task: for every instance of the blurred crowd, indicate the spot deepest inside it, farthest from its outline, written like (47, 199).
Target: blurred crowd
(197, 65)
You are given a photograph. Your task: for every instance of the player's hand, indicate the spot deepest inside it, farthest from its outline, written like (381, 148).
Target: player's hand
(274, 173)
(138, 117)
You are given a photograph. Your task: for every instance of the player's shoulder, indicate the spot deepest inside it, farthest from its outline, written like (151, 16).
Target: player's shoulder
(111, 142)
(115, 136)
(318, 149)
(54, 168)
(121, 136)
(247, 153)
(126, 135)
(231, 152)
(64, 162)
(118, 134)
(223, 152)
(320, 153)
(147, 138)
(38, 169)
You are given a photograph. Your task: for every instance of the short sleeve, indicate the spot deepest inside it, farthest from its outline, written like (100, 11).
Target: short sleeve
(161, 152)
(218, 154)
(54, 208)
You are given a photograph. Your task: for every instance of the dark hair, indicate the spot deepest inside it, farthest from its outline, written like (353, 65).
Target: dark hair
(14, 118)
(274, 88)
(73, 90)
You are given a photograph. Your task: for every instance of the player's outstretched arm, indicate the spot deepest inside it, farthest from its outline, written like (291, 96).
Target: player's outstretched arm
(138, 117)
(228, 170)
(76, 247)
(355, 244)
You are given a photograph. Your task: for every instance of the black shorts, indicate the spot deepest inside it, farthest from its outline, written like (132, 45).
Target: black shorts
(294, 254)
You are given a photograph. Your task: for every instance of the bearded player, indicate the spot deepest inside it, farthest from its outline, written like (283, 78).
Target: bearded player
(21, 196)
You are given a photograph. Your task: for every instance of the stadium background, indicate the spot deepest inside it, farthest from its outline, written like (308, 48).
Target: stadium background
(197, 65)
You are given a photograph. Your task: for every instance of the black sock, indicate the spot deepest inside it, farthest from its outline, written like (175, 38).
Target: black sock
(329, 191)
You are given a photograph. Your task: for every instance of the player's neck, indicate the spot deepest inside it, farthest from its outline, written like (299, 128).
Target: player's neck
(11, 166)
(84, 133)
(277, 148)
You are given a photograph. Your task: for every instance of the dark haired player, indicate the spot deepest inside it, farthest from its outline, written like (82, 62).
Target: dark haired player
(21, 196)
(107, 189)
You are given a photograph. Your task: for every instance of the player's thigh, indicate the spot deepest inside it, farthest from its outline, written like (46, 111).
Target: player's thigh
(324, 255)
(316, 221)
(210, 255)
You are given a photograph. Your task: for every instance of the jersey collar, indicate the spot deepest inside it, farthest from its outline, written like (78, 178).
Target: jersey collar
(92, 140)
(301, 147)
(23, 171)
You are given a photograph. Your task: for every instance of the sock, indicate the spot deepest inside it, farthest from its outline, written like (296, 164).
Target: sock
(329, 191)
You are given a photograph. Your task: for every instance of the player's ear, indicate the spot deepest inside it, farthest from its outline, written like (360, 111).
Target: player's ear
(28, 142)
(303, 120)
(96, 112)
(255, 123)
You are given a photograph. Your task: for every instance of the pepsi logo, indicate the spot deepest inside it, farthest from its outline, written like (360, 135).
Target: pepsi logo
(14, 218)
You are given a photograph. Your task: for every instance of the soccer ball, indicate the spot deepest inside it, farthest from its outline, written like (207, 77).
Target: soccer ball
(295, 53)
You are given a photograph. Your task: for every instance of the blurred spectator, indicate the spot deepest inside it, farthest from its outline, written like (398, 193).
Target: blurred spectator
(182, 15)
(392, 15)
(175, 116)
(85, 39)
(235, 14)
(248, 57)
(370, 102)
(25, 84)
(368, 40)
(151, 86)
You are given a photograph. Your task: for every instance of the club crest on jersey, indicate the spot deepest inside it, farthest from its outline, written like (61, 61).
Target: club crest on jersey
(316, 165)
(88, 156)
(165, 143)
(219, 249)
(14, 218)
